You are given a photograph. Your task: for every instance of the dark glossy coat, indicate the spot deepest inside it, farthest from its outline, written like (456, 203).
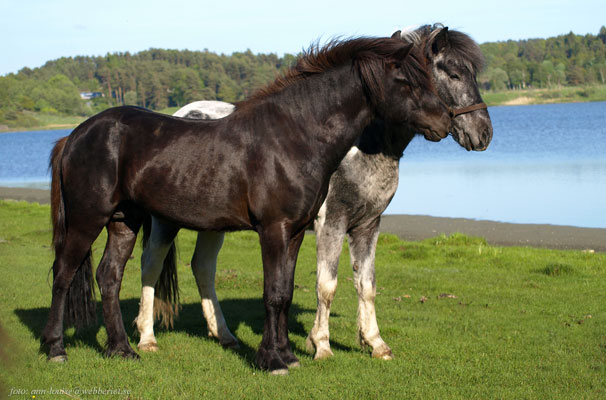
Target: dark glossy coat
(266, 167)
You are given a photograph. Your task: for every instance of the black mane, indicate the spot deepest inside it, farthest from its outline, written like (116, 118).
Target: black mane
(365, 54)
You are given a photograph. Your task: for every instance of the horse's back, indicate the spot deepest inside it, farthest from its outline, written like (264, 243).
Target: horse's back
(130, 153)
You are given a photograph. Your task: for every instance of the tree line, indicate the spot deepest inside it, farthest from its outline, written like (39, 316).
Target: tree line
(158, 78)
(153, 79)
(565, 60)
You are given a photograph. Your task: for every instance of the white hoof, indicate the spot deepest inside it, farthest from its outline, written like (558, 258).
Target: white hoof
(148, 347)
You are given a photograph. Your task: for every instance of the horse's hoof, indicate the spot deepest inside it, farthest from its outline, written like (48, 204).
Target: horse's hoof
(309, 345)
(148, 347)
(270, 360)
(232, 344)
(128, 354)
(322, 354)
(383, 353)
(58, 359)
(289, 359)
(279, 372)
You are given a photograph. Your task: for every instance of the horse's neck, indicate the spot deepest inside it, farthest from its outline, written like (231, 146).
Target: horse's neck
(384, 139)
(333, 110)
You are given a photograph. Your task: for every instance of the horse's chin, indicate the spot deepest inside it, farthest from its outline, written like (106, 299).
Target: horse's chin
(432, 136)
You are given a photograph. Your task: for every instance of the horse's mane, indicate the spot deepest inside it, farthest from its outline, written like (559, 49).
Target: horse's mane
(461, 45)
(367, 55)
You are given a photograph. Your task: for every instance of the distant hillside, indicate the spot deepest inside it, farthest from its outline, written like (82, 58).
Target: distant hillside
(159, 78)
(565, 60)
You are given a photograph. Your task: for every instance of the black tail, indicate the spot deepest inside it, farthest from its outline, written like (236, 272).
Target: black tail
(166, 291)
(80, 304)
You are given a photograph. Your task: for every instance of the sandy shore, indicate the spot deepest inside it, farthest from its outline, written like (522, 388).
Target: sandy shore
(418, 227)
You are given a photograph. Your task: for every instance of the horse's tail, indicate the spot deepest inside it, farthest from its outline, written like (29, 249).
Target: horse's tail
(80, 304)
(57, 207)
(166, 291)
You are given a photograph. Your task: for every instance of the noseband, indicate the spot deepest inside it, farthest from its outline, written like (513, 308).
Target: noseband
(458, 111)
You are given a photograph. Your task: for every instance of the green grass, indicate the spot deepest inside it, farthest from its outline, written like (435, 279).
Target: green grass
(168, 110)
(564, 94)
(523, 323)
(30, 121)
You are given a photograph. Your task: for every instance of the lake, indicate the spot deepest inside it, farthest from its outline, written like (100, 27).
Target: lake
(546, 164)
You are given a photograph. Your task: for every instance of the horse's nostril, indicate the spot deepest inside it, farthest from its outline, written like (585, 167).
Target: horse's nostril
(486, 136)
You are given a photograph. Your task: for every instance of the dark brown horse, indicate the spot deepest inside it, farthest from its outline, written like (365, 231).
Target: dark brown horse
(266, 167)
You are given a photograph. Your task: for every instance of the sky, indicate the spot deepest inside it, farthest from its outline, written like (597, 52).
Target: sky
(36, 31)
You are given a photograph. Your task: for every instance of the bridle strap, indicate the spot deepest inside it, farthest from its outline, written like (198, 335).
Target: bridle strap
(468, 109)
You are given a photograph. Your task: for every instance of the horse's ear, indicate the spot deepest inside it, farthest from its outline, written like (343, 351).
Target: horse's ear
(397, 59)
(402, 52)
(440, 42)
(397, 35)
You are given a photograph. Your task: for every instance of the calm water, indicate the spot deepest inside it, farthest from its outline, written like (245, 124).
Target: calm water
(546, 164)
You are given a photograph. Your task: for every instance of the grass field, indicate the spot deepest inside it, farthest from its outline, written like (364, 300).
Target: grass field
(520, 323)
(565, 94)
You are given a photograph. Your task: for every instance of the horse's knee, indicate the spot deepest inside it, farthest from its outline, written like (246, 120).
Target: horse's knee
(326, 288)
(366, 287)
(277, 299)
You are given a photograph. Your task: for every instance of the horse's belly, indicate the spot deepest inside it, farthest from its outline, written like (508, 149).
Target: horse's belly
(200, 204)
(199, 214)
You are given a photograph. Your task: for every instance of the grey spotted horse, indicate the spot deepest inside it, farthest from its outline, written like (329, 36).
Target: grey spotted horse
(359, 192)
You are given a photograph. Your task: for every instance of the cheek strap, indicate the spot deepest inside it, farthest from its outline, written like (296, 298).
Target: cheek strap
(468, 109)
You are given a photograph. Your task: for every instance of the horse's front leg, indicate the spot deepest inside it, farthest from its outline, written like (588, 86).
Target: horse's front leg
(329, 242)
(362, 247)
(152, 262)
(279, 250)
(121, 238)
(204, 267)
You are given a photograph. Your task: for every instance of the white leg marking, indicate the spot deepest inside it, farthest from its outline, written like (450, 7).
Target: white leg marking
(145, 320)
(152, 261)
(328, 248)
(204, 266)
(362, 254)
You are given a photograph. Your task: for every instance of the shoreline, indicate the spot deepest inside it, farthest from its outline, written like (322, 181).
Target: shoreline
(54, 127)
(510, 98)
(419, 227)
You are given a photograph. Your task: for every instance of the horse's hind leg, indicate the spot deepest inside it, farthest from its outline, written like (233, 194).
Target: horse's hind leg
(204, 266)
(329, 242)
(69, 257)
(362, 247)
(121, 238)
(152, 261)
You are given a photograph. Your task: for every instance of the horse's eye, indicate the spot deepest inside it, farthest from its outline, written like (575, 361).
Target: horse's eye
(455, 77)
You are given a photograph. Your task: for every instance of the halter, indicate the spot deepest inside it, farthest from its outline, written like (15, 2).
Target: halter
(454, 112)
(413, 36)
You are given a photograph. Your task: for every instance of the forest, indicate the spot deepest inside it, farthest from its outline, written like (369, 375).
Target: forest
(159, 78)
